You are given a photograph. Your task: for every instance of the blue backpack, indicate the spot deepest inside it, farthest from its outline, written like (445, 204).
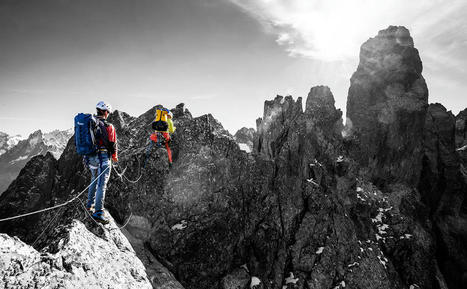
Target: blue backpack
(84, 134)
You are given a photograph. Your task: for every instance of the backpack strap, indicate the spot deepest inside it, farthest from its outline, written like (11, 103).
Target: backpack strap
(101, 133)
(92, 129)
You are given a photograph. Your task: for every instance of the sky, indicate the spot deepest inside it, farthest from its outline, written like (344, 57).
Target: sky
(225, 57)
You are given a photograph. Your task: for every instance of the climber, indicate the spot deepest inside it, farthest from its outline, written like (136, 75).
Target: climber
(163, 127)
(97, 155)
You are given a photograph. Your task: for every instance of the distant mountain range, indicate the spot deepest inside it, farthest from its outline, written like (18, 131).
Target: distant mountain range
(7, 141)
(15, 152)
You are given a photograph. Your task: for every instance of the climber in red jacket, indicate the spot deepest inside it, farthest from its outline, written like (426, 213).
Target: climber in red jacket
(106, 138)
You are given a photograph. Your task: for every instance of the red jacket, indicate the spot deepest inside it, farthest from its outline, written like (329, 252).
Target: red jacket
(112, 140)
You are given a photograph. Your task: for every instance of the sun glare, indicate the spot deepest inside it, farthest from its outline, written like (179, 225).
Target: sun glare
(331, 29)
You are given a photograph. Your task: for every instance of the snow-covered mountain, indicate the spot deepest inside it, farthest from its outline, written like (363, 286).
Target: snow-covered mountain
(245, 138)
(56, 141)
(18, 152)
(7, 141)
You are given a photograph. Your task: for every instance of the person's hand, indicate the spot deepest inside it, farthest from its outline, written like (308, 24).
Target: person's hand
(115, 159)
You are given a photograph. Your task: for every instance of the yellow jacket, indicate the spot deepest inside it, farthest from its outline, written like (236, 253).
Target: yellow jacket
(162, 115)
(171, 126)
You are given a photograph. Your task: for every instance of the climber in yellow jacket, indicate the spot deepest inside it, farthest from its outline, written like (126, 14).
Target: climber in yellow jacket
(163, 126)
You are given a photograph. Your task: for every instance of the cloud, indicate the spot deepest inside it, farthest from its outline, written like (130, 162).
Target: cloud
(335, 29)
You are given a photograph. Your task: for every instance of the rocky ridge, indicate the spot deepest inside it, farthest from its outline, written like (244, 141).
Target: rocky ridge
(17, 155)
(312, 206)
(77, 258)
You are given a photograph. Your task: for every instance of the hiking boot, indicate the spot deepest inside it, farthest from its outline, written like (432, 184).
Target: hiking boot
(100, 217)
(90, 210)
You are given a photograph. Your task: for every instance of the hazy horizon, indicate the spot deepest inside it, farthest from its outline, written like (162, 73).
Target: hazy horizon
(226, 57)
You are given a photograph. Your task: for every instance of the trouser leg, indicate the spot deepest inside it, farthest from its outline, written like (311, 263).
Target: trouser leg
(169, 152)
(92, 188)
(167, 139)
(102, 183)
(93, 165)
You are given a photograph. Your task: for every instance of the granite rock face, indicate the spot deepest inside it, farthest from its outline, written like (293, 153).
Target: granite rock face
(77, 259)
(386, 107)
(443, 187)
(461, 138)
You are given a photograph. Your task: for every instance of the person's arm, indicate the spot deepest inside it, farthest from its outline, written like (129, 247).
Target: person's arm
(113, 142)
(171, 125)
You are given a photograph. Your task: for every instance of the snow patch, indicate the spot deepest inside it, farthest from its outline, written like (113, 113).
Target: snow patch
(21, 158)
(14, 140)
(316, 163)
(254, 281)
(360, 198)
(320, 250)
(310, 180)
(406, 236)
(244, 266)
(383, 260)
(244, 147)
(180, 226)
(382, 229)
(340, 285)
(291, 279)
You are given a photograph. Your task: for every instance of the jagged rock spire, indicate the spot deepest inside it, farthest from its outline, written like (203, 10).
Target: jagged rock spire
(386, 106)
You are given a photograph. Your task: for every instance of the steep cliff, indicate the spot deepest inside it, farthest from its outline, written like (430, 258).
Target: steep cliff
(386, 107)
(443, 187)
(461, 138)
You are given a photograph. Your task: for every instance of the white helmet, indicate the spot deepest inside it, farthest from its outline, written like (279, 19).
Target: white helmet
(102, 105)
(171, 114)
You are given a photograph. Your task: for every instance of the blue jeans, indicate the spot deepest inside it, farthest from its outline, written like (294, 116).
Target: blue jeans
(97, 164)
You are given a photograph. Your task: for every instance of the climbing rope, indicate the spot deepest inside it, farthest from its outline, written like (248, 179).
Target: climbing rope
(88, 213)
(56, 206)
(127, 221)
(47, 227)
(122, 174)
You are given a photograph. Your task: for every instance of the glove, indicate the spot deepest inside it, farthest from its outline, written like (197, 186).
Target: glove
(115, 159)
